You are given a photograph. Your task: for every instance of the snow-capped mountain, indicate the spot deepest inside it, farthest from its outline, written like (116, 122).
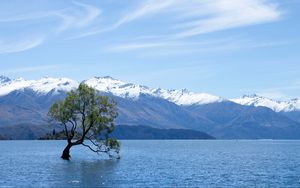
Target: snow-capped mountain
(41, 86)
(134, 91)
(109, 85)
(277, 106)
(106, 84)
(25, 103)
(117, 87)
(129, 90)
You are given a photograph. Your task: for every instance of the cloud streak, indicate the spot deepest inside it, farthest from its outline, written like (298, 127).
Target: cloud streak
(181, 20)
(77, 16)
(145, 9)
(148, 8)
(229, 14)
(31, 69)
(21, 45)
(135, 46)
(80, 15)
(183, 47)
(198, 17)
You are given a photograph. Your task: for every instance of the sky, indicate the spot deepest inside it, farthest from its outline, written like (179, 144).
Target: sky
(221, 47)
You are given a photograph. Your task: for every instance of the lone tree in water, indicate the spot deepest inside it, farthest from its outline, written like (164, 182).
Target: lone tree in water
(87, 120)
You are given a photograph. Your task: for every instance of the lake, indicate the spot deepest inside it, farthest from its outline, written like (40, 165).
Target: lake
(155, 163)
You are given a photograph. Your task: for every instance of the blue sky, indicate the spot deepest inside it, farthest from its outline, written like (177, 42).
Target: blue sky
(221, 47)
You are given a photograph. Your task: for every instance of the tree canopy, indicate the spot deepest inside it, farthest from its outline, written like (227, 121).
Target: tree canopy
(89, 118)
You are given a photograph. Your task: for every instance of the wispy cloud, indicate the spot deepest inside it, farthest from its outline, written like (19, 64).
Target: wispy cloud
(184, 20)
(21, 45)
(181, 20)
(147, 8)
(77, 16)
(182, 46)
(223, 14)
(134, 46)
(91, 13)
(26, 17)
(31, 69)
(187, 19)
(81, 16)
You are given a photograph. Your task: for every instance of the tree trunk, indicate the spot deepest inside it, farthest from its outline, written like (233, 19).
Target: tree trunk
(66, 153)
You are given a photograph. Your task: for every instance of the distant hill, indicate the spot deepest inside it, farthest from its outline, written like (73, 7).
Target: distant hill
(234, 121)
(143, 133)
(24, 131)
(4, 138)
(148, 133)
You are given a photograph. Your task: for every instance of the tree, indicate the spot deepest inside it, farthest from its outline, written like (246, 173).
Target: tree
(89, 119)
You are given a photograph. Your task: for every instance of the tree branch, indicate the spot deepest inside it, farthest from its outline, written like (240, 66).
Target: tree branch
(67, 133)
(95, 144)
(95, 150)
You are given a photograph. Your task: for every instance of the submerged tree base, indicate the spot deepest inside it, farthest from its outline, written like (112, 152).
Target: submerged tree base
(66, 153)
(65, 157)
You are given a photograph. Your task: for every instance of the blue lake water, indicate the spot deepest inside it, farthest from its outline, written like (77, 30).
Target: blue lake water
(161, 163)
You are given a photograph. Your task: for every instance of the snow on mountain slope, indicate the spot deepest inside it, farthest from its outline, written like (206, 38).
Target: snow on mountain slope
(117, 87)
(185, 97)
(4, 79)
(41, 86)
(106, 84)
(277, 106)
(133, 91)
(128, 90)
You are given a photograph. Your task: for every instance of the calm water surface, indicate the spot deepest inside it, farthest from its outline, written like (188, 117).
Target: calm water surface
(153, 164)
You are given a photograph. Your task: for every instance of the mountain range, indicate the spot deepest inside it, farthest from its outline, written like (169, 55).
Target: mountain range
(24, 105)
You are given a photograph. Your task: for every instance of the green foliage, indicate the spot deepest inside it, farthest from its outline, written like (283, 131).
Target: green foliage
(91, 115)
